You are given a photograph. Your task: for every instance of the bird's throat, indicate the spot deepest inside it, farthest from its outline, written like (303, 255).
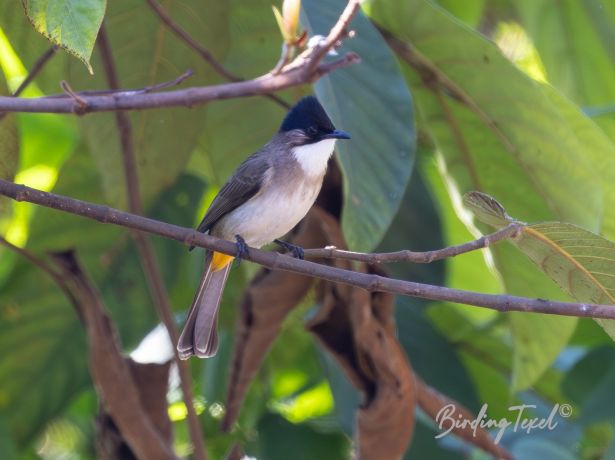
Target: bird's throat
(313, 158)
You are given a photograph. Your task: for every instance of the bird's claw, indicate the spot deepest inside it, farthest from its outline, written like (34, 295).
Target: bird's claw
(242, 249)
(296, 251)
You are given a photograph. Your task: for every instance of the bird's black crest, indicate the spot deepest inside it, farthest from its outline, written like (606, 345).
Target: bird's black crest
(305, 114)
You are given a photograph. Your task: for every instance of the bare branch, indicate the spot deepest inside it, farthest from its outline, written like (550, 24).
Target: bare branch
(147, 256)
(276, 261)
(80, 105)
(302, 71)
(425, 257)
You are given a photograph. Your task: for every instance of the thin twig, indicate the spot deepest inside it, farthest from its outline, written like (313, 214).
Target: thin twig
(147, 256)
(127, 92)
(80, 105)
(36, 68)
(41, 264)
(302, 70)
(167, 84)
(32, 258)
(276, 261)
(338, 32)
(425, 257)
(201, 50)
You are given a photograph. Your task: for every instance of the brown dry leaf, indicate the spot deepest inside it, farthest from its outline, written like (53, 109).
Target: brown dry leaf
(357, 327)
(113, 375)
(432, 401)
(152, 380)
(267, 301)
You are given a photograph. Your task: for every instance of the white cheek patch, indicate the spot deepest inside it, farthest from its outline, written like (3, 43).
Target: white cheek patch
(313, 158)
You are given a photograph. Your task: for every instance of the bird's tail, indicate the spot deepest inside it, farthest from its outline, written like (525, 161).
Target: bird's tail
(199, 336)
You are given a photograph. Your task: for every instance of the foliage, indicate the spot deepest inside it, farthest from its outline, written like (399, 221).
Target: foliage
(510, 98)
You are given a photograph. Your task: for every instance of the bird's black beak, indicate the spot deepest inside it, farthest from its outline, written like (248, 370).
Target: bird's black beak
(337, 134)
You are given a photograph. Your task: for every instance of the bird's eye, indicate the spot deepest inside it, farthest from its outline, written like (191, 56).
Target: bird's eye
(312, 131)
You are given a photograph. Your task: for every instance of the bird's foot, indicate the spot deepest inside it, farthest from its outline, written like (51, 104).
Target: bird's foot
(242, 249)
(296, 251)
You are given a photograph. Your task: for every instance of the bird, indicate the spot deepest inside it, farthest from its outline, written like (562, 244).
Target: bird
(267, 195)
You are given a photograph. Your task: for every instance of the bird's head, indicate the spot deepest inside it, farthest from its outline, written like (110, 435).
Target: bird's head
(308, 123)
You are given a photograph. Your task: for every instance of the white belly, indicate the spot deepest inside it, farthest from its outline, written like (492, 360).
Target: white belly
(270, 214)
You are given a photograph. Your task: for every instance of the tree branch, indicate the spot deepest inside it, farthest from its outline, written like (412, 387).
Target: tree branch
(426, 257)
(158, 291)
(276, 261)
(201, 50)
(307, 68)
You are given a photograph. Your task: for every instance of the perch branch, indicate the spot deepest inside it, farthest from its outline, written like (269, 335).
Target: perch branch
(307, 68)
(276, 261)
(426, 257)
(147, 256)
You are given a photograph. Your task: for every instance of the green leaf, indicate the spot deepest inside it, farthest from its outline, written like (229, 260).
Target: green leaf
(371, 101)
(71, 24)
(575, 40)
(506, 135)
(163, 140)
(469, 11)
(501, 134)
(579, 261)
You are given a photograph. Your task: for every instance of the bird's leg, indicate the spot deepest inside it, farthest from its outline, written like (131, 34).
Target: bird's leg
(296, 251)
(242, 249)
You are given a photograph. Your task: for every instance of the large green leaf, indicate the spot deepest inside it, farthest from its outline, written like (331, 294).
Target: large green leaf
(145, 53)
(71, 24)
(575, 40)
(579, 261)
(508, 135)
(371, 101)
(470, 11)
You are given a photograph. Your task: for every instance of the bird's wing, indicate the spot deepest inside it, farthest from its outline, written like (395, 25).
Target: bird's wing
(242, 185)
